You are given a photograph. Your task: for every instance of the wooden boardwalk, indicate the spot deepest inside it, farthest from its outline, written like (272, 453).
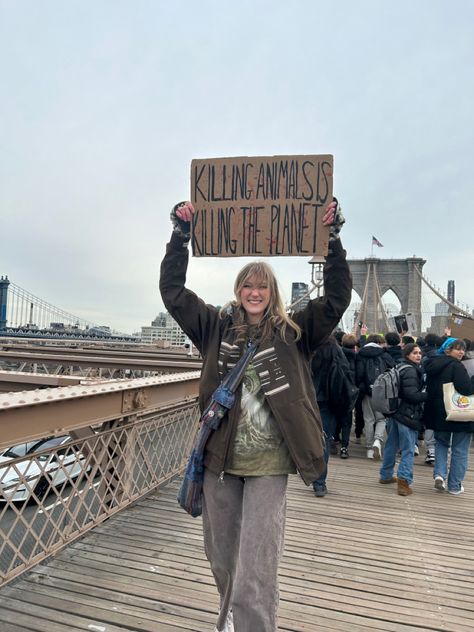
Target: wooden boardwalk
(362, 559)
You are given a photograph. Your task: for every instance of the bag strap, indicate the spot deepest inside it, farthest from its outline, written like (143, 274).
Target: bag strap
(233, 378)
(224, 395)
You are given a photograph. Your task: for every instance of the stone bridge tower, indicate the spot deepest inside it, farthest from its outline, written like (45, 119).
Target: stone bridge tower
(4, 283)
(373, 277)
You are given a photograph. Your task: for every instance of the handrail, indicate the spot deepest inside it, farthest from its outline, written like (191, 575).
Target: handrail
(35, 414)
(126, 438)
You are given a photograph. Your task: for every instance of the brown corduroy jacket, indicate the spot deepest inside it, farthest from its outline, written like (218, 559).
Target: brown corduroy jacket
(283, 367)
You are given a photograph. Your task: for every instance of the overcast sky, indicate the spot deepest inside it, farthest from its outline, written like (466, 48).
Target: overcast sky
(104, 103)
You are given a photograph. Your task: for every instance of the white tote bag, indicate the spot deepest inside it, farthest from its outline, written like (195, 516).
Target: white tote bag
(458, 407)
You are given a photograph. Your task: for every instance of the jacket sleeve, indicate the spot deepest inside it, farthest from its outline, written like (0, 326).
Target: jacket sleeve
(194, 317)
(411, 391)
(461, 380)
(321, 315)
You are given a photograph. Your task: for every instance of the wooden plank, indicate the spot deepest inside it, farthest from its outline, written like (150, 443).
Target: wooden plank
(138, 618)
(360, 559)
(11, 627)
(39, 619)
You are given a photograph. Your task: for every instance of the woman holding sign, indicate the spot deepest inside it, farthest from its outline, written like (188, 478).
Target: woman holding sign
(274, 428)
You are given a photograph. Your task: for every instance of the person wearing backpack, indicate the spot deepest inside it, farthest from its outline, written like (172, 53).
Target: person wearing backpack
(372, 360)
(404, 425)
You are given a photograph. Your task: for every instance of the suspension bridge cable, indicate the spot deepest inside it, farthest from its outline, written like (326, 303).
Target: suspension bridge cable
(457, 308)
(363, 304)
(379, 300)
(24, 301)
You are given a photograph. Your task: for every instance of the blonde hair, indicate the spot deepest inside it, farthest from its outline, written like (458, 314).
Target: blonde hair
(275, 315)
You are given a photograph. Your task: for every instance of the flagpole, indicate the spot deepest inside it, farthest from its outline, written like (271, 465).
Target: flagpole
(372, 248)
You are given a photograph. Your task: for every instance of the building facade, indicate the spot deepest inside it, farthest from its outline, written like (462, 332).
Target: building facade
(164, 328)
(299, 295)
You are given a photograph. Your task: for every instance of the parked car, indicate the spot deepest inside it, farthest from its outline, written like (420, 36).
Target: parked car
(37, 474)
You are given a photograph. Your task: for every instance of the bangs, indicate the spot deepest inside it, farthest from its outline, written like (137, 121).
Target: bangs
(260, 272)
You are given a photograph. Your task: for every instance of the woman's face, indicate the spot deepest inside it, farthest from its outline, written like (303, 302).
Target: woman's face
(456, 353)
(255, 297)
(415, 355)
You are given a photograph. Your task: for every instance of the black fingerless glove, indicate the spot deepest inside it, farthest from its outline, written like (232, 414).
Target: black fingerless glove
(339, 220)
(181, 228)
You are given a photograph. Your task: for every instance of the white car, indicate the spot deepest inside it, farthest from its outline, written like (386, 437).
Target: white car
(37, 473)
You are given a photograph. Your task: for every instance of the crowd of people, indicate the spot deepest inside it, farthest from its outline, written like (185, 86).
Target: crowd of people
(424, 365)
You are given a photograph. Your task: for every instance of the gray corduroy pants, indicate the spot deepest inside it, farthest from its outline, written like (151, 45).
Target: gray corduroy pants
(244, 525)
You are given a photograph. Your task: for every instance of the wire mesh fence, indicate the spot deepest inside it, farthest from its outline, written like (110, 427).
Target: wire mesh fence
(55, 489)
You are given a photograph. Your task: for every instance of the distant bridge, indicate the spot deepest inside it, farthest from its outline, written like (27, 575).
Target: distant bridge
(23, 313)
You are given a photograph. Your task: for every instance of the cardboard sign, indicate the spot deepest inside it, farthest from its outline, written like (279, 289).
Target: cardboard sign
(260, 206)
(405, 324)
(461, 327)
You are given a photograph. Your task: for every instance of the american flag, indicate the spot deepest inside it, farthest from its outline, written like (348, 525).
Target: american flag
(376, 242)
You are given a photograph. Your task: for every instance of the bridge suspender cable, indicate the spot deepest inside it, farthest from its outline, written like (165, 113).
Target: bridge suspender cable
(453, 306)
(363, 304)
(379, 301)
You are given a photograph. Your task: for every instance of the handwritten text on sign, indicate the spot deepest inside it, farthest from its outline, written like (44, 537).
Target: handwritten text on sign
(264, 206)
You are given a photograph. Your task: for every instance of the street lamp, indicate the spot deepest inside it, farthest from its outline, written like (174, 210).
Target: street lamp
(317, 263)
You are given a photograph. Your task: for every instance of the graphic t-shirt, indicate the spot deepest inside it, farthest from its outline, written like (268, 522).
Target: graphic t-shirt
(259, 448)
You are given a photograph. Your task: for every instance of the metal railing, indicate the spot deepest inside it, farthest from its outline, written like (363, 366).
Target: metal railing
(106, 446)
(94, 365)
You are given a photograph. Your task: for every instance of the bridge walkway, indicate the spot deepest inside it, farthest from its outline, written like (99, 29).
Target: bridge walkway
(362, 559)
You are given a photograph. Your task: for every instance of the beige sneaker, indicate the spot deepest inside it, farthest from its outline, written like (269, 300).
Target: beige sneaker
(377, 448)
(439, 484)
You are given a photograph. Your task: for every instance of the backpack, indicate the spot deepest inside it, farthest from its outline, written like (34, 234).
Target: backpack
(373, 368)
(386, 391)
(342, 391)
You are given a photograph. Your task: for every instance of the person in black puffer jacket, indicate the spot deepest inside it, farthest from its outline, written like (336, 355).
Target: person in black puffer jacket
(432, 344)
(344, 421)
(404, 425)
(327, 354)
(441, 369)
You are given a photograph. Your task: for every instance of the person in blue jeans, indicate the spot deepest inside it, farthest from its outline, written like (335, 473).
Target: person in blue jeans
(405, 424)
(441, 369)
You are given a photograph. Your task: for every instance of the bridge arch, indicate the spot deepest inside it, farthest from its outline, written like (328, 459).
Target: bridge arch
(373, 277)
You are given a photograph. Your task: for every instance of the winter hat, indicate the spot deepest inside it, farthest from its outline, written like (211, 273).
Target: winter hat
(447, 343)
